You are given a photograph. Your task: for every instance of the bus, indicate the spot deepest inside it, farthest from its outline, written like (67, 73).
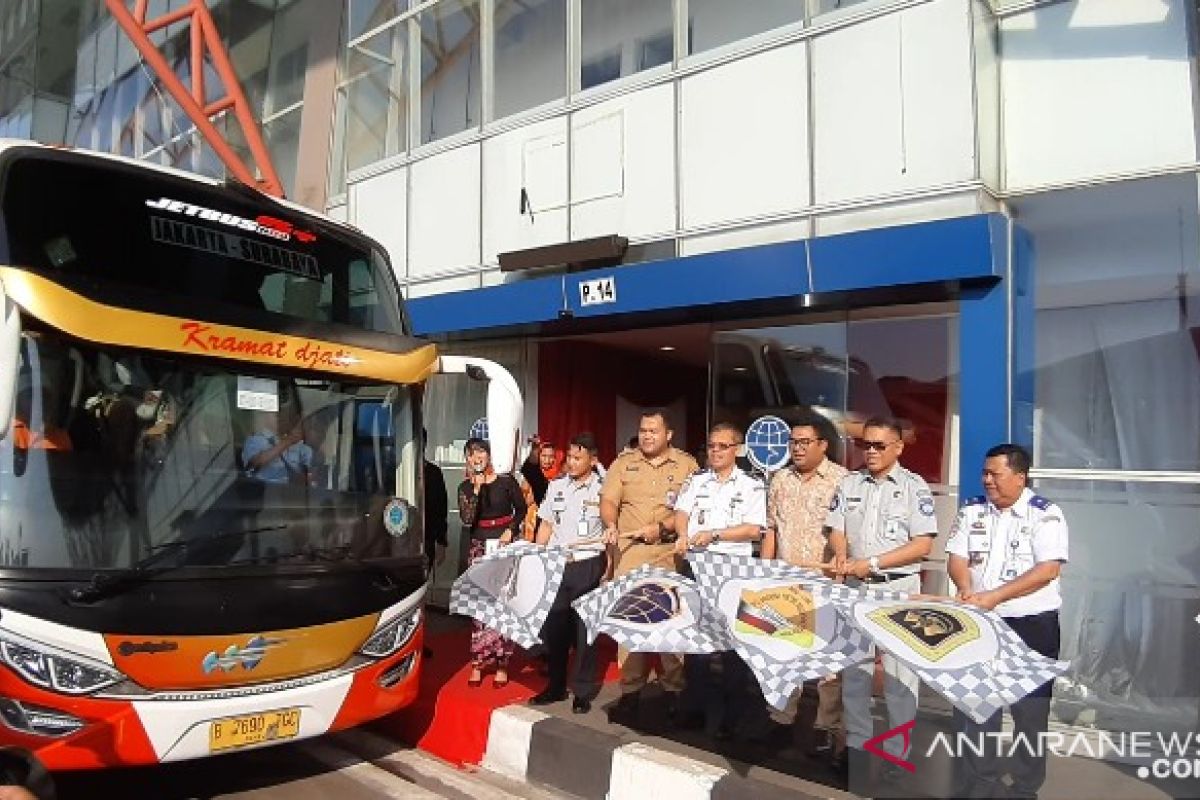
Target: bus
(211, 466)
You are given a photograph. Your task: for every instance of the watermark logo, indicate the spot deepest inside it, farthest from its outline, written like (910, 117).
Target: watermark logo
(873, 745)
(1164, 755)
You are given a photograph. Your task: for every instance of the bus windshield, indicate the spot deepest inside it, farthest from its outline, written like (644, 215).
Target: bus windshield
(115, 453)
(145, 239)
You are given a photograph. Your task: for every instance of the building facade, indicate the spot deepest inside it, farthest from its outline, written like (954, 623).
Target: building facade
(980, 216)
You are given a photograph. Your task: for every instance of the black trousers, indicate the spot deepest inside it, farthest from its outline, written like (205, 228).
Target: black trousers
(979, 775)
(563, 628)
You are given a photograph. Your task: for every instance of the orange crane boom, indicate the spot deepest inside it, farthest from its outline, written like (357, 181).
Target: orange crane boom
(205, 41)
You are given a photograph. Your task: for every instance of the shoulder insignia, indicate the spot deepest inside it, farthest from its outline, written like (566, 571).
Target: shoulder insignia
(978, 500)
(1039, 502)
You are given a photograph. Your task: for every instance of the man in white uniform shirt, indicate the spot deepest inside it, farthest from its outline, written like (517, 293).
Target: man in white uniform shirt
(569, 515)
(1005, 554)
(723, 510)
(881, 526)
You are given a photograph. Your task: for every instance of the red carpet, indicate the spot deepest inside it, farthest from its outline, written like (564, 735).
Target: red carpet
(450, 719)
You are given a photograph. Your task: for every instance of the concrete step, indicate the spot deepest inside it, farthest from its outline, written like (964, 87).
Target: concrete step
(432, 774)
(588, 758)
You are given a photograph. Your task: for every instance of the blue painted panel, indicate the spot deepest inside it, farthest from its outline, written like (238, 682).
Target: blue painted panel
(983, 336)
(518, 303)
(729, 276)
(953, 249)
(946, 250)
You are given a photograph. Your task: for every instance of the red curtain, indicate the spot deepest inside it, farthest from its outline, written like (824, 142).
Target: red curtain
(579, 383)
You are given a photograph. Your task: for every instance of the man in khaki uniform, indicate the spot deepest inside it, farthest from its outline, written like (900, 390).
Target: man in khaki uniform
(637, 508)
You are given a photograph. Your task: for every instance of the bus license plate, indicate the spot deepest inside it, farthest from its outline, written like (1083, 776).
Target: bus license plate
(269, 726)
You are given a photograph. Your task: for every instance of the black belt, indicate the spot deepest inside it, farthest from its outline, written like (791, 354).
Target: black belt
(884, 577)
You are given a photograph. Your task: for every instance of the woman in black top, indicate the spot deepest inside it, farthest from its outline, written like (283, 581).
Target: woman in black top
(492, 508)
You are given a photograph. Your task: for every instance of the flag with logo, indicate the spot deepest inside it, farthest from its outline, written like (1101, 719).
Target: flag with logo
(651, 610)
(968, 655)
(511, 590)
(783, 621)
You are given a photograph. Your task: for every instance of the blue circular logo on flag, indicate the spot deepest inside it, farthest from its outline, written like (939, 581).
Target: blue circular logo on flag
(479, 429)
(767, 443)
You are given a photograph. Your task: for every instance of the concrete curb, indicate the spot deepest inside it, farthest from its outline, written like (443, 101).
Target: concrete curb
(576, 760)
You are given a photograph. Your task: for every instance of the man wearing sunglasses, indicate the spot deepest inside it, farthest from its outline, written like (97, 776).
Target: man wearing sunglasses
(881, 526)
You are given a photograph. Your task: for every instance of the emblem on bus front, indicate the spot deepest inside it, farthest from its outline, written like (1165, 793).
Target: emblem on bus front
(248, 657)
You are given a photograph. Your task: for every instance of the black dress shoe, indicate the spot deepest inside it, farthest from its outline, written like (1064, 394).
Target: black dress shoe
(625, 710)
(580, 706)
(547, 697)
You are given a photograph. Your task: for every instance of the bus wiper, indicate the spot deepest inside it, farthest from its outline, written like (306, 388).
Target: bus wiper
(108, 584)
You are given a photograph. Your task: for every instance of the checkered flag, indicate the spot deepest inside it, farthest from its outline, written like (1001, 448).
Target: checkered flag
(651, 610)
(967, 654)
(511, 590)
(783, 620)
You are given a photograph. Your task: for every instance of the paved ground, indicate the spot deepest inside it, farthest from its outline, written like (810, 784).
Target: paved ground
(790, 767)
(349, 766)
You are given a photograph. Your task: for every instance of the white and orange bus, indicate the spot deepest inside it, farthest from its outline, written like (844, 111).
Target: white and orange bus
(211, 467)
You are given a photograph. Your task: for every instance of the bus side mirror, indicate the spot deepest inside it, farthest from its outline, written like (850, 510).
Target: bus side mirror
(504, 405)
(10, 348)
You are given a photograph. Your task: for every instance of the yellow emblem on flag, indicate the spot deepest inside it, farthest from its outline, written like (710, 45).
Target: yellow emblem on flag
(781, 612)
(933, 632)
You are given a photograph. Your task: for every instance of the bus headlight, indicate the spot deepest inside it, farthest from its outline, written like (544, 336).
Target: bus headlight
(392, 636)
(56, 671)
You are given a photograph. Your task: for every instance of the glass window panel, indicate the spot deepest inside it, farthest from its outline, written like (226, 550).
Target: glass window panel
(58, 42)
(85, 74)
(337, 159)
(450, 75)
(106, 55)
(283, 140)
(621, 37)
(901, 368)
(289, 58)
(1117, 328)
(531, 54)
(712, 23)
(129, 89)
(16, 79)
(152, 108)
(104, 121)
(364, 15)
(377, 98)
(1132, 584)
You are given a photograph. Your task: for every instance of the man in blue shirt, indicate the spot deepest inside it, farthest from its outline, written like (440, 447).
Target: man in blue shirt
(274, 458)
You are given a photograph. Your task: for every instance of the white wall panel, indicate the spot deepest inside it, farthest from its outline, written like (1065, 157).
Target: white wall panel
(444, 220)
(908, 212)
(623, 166)
(893, 103)
(1096, 87)
(768, 233)
(533, 157)
(745, 138)
(377, 206)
